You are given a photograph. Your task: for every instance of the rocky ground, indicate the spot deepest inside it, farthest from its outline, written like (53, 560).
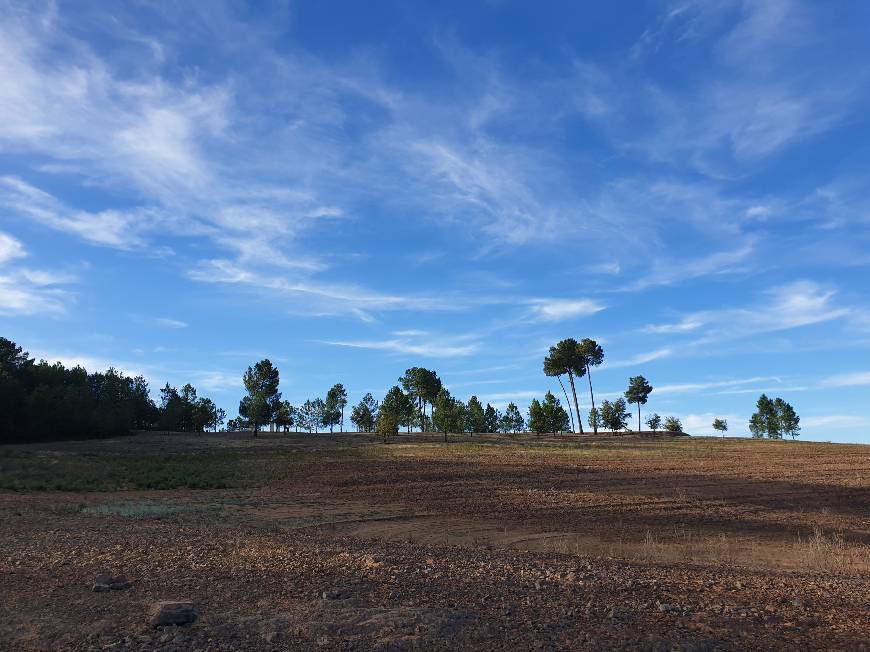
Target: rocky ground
(424, 547)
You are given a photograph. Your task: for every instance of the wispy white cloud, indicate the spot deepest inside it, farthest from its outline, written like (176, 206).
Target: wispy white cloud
(25, 291)
(856, 379)
(168, 322)
(422, 344)
(10, 248)
(765, 88)
(483, 370)
(668, 271)
(640, 358)
(318, 298)
(560, 309)
(700, 387)
(836, 421)
(215, 381)
(797, 304)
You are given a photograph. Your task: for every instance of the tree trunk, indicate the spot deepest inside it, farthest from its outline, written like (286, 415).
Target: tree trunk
(568, 403)
(591, 397)
(638, 416)
(576, 405)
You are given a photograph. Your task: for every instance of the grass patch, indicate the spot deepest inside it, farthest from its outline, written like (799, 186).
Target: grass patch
(45, 471)
(149, 510)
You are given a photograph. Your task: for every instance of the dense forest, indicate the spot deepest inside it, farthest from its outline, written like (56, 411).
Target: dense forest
(41, 401)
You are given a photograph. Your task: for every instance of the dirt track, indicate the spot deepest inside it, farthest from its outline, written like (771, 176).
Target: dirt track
(635, 544)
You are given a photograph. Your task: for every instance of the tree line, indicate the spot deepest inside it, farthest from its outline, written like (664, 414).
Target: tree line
(419, 400)
(39, 400)
(43, 401)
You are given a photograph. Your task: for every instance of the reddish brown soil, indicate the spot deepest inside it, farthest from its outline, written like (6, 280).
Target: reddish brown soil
(655, 544)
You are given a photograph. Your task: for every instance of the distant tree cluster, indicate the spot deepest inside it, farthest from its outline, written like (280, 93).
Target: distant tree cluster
(182, 411)
(773, 419)
(262, 405)
(41, 401)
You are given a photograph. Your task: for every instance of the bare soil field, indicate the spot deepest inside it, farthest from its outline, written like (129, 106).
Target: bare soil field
(288, 542)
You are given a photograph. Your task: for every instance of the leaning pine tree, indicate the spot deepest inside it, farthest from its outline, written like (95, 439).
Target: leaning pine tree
(593, 356)
(566, 358)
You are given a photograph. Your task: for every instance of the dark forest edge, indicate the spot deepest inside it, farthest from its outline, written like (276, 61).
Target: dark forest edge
(42, 401)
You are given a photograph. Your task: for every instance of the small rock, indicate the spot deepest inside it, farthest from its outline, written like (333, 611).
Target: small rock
(105, 582)
(665, 607)
(172, 613)
(119, 583)
(101, 583)
(336, 594)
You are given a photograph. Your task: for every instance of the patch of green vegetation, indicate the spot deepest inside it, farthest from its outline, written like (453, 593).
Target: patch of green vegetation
(149, 510)
(40, 471)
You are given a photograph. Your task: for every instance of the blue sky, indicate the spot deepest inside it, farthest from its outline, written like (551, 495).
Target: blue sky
(355, 188)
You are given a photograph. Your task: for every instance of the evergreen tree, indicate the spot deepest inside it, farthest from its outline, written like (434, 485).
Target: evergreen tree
(399, 405)
(306, 417)
(261, 403)
(422, 386)
(555, 416)
(364, 414)
(595, 420)
(537, 420)
(491, 418)
(765, 421)
(638, 392)
(789, 421)
(511, 420)
(614, 415)
(593, 356)
(475, 417)
(320, 418)
(336, 400)
(448, 414)
(285, 417)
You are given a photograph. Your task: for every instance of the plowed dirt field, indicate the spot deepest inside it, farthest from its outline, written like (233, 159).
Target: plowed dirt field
(288, 542)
